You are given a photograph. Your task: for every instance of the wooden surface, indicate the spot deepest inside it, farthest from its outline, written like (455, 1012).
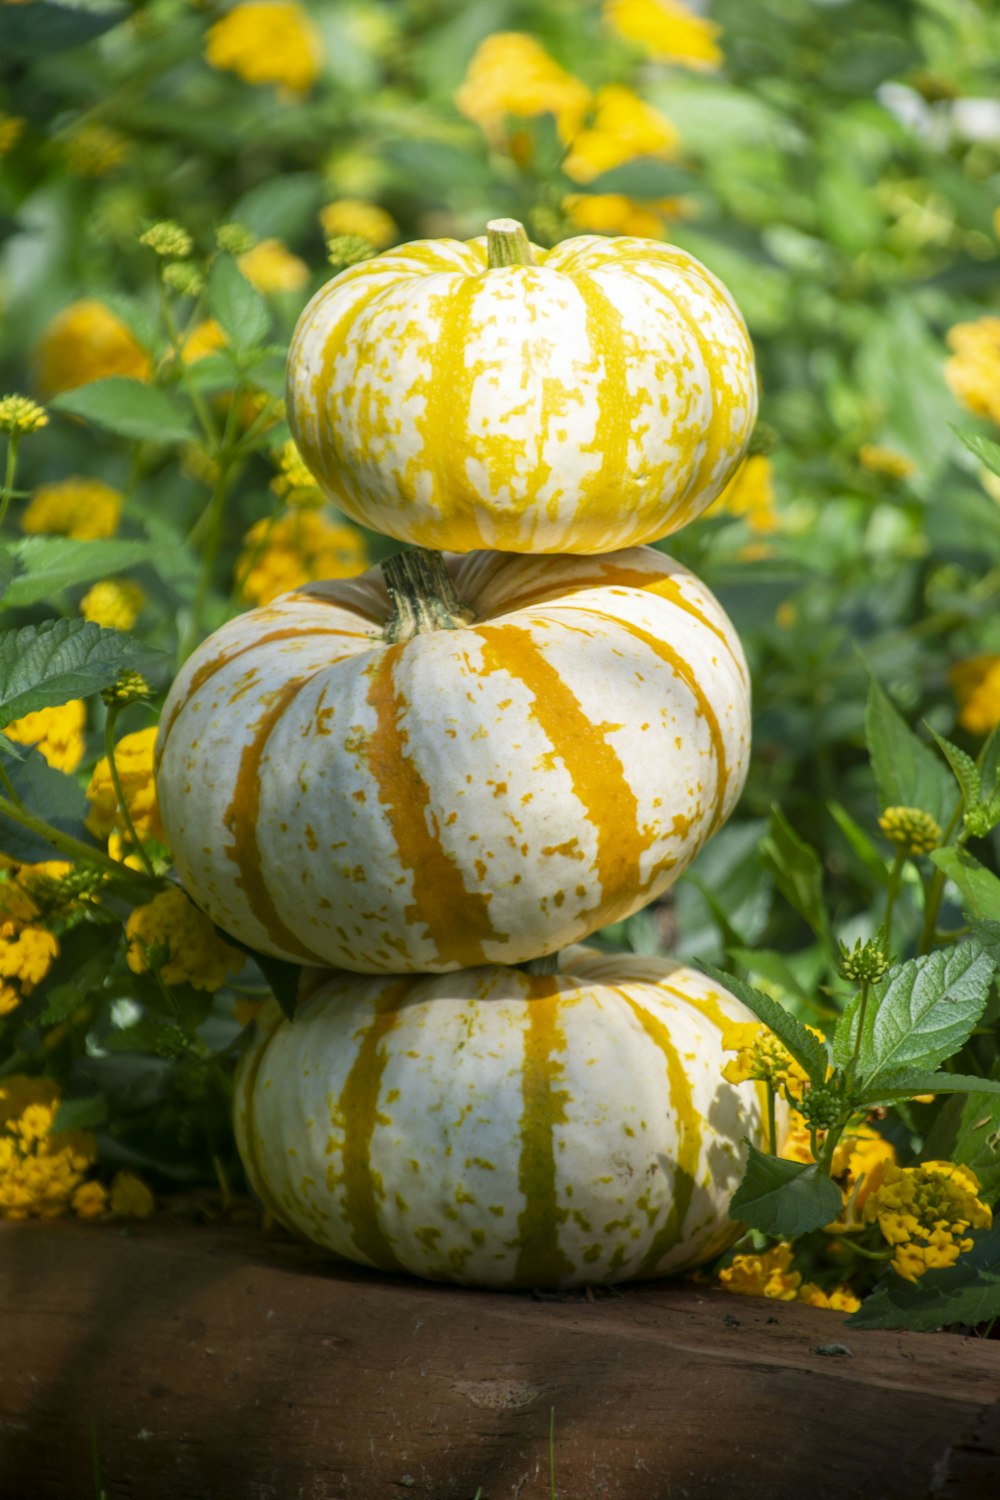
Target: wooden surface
(223, 1364)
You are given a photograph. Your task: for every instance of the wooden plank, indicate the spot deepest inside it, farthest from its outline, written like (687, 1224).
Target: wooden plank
(223, 1364)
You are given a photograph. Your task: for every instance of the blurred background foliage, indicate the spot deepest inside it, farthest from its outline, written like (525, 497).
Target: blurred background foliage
(836, 164)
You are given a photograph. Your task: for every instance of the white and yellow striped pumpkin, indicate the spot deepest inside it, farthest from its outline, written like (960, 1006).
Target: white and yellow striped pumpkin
(504, 1129)
(595, 400)
(476, 795)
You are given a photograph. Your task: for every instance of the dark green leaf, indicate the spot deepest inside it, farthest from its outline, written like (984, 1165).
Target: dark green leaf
(128, 407)
(784, 1198)
(283, 207)
(907, 1084)
(48, 564)
(41, 27)
(86, 955)
(643, 177)
(907, 772)
(967, 1292)
(977, 1144)
(980, 888)
(44, 665)
(282, 976)
(987, 935)
(922, 1011)
(846, 1031)
(150, 1037)
(81, 1114)
(50, 794)
(240, 309)
(807, 1049)
(964, 767)
(863, 847)
(797, 871)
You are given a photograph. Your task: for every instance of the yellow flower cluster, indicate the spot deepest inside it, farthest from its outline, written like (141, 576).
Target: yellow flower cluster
(771, 1275)
(19, 416)
(512, 74)
(295, 483)
(11, 131)
(297, 548)
(134, 759)
(94, 150)
(114, 603)
(667, 30)
(56, 732)
(81, 508)
(171, 925)
(623, 127)
(885, 461)
(750, 495)
(912, 830)
(267, 41)
(27, 949)
(973, 372)
(271, 267)
(41, 1172)
(358, 218)
(86, 342)
(976, 685)
(926, 1212)
(761, 1056)
(205, 338)
(613, 213)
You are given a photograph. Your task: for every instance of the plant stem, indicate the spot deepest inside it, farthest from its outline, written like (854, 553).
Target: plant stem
(507, 244)
(772, 1126)
(214, 515)
(9, 471)
(865, 988)
(75, 848)
(123, 807)
(895, 875)
(194, 395)
(422, 593)
(934, 890)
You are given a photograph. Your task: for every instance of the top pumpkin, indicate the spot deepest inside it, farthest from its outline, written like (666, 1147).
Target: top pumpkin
(597, 398)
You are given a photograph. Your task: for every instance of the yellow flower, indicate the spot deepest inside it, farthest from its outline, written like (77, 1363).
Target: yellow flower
(205, 338)
(57, 732)
(360, 219)
(767, 1275)
(81, 508)
(90, 1200)
(86, 342)
(11, 131)
(623, 127)
(885, 461)
(295, 483)
(94, 150)
(130, 1197)
(973, 373)
(838, 1299)
(134, 759)
(114, 603)
(19, 416)
(267, 41)
(270, 267)
(913, 831)
(761, 1056)
(976, 685)
(512, 74)
(297, 548)
(925, 1213)
(613, 213)
(668, 31)
(195, 954)
(40, 1172)
(750, 495)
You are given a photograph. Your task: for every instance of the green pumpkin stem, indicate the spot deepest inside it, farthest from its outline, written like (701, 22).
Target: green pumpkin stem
(507, 244)
(422, 593)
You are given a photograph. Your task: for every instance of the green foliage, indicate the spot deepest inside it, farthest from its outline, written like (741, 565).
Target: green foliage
(968, 1292)
(784, 1198)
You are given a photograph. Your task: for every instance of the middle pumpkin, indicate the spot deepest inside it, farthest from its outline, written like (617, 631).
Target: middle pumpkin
(489, 792)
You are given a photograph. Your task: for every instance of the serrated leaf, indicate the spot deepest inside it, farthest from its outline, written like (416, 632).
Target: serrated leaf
(984, 448)
(980, 888)
(797, 872)
(907, 772)
(50, 794)
(907, 1084)
(238, 307)
(964, 767)
(862, 845)
(977, 1144)
(49, 564)
(130, 408)
(922, 1011)
(44, 665)
(807, 1049)
(846, 1030)
(81, 1114)
(966, 1292)
(988, 762)
(784, 1198)
(987, 935)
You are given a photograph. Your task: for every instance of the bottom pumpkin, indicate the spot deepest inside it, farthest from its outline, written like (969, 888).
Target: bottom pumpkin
(499, 1128)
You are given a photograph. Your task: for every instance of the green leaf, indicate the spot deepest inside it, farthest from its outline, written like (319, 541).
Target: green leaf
(238, 307)
(922, 1011)
(967, 1292)
(44, 665)
(980, 888)
(862, 845)
(977, 1144)
(282, 207)
(807, 1049)
(41, 27)
(964, 767)
(988, 761)
(784, 1198)
(50, 794)
(797, 871)
(984, 448)
(86, 955)
(6, 569)
(907, 1084)
(643, 177)
(127, 407)
(48, 564)
(845, 1032)
(81, 1114)
(907, 772)
(987, 935)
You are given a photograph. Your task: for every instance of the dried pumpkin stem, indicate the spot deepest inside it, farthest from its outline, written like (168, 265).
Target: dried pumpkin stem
(507, 244)
(547, 964)
(422, 593)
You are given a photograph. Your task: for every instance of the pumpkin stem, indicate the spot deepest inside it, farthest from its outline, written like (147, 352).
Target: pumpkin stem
(422, 593)
(547, 964)
(507, 244)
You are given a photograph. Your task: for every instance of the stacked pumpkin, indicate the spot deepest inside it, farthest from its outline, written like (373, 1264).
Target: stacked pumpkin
(434, 778)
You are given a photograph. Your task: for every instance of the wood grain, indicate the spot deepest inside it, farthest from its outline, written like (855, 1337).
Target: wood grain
(223, 1364)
